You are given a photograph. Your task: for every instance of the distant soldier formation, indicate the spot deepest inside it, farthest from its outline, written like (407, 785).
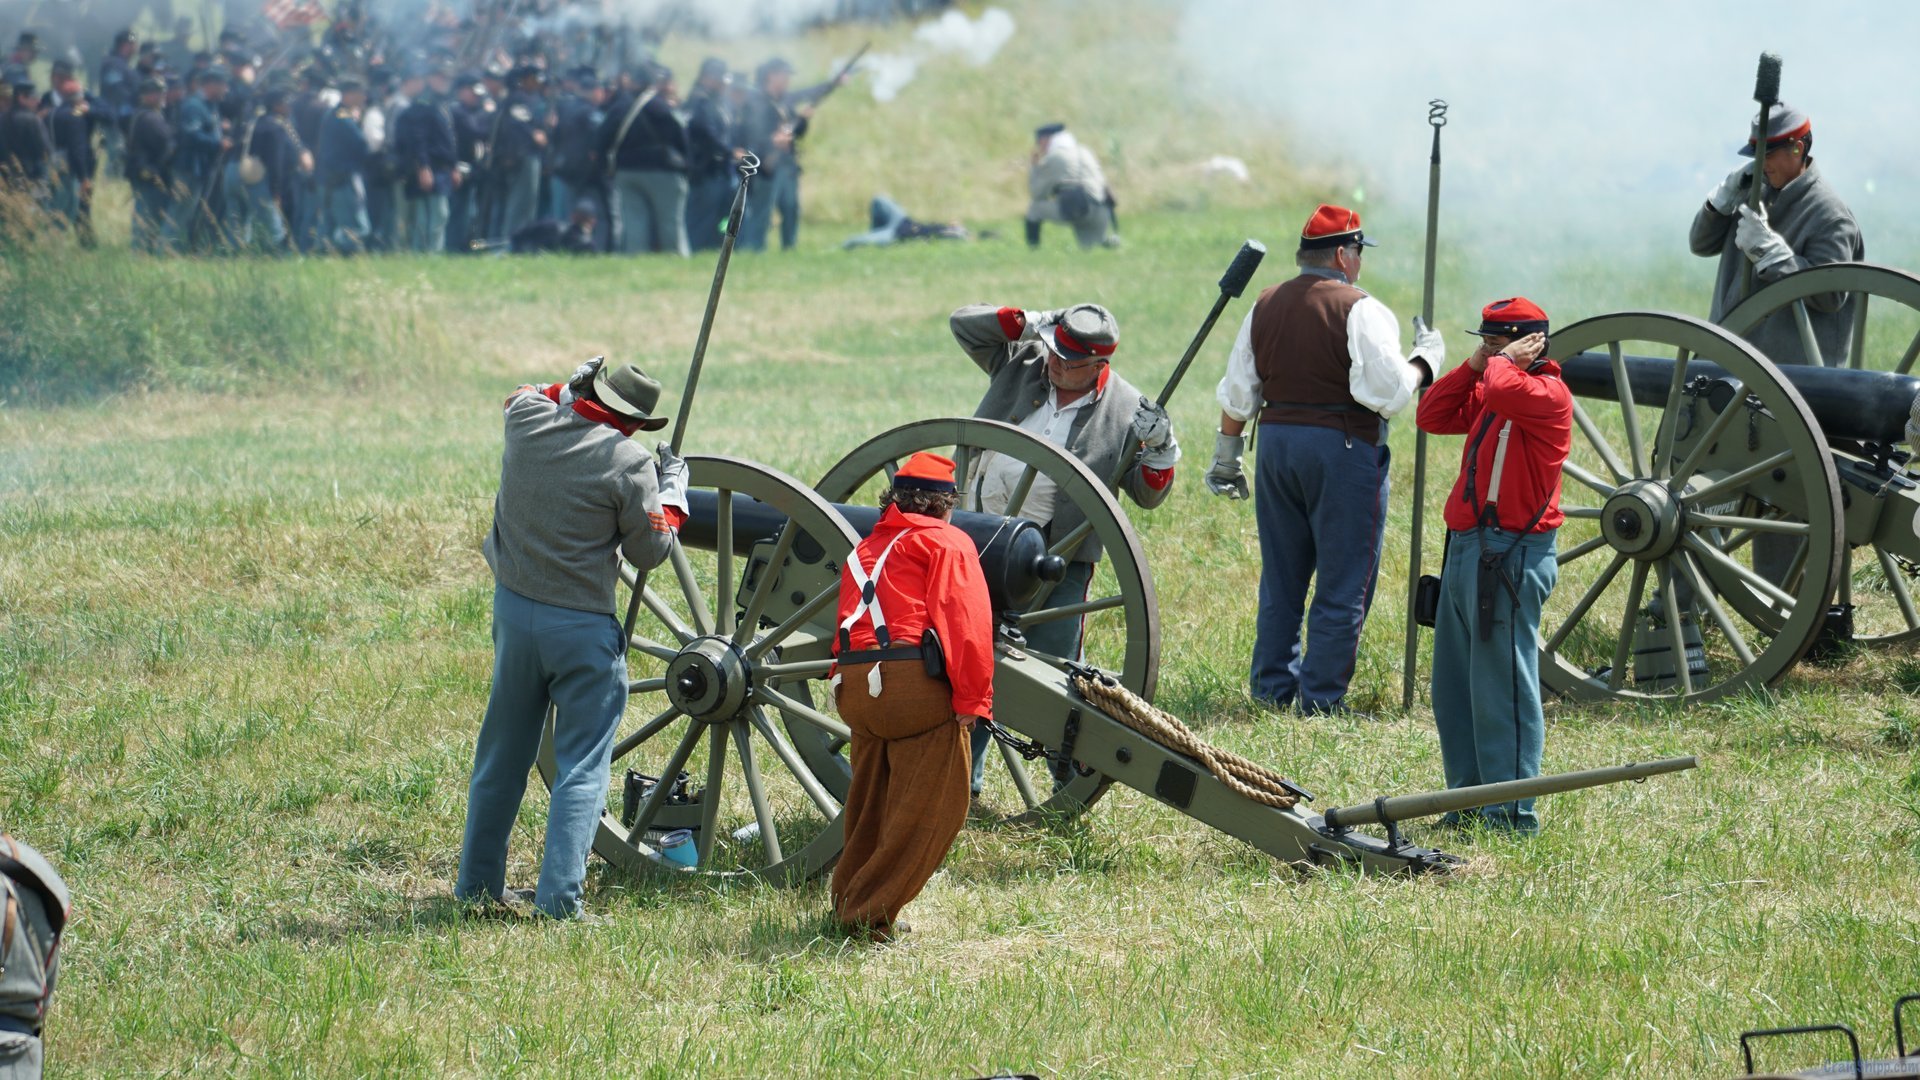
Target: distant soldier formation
(469, 135)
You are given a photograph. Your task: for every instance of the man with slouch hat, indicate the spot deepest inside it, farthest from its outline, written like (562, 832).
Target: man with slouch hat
(914, 657)
(1318, 361)
(1502, 517)
(576, 493)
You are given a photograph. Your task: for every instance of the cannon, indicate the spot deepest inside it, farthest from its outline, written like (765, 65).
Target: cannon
(1716, 453)
(730, 732)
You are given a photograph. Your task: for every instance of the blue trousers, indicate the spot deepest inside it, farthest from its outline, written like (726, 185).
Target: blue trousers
(1320, 499)
(1486, 694)
(778, 190)
(708, 202)
(1061, 637)
(572, 660)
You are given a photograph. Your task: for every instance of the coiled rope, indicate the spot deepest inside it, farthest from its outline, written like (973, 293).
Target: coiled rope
(1242, 777)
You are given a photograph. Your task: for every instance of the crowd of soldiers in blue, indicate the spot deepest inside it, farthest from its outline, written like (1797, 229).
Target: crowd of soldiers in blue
(340, 147)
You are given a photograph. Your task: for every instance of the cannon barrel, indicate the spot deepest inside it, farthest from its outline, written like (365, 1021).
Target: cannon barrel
(1850, 403)
(1430, 803)
(1013, 551)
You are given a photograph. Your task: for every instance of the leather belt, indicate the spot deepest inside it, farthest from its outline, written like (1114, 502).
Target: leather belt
(874, 656)
(1324, 406)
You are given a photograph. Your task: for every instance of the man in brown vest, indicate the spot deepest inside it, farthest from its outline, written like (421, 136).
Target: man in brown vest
(1319, 362)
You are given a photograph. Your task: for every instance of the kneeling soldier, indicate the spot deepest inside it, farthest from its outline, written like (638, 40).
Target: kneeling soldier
(915, 656)
(575, 493)
(1517, 414)
(33, 913)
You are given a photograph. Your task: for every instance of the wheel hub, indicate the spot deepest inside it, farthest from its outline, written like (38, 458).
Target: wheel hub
(709, 680)
(1643, 519)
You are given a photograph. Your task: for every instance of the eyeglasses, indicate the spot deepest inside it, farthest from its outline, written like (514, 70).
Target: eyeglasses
(1076, 365)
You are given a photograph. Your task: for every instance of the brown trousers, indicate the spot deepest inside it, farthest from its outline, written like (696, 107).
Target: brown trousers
(908, 798)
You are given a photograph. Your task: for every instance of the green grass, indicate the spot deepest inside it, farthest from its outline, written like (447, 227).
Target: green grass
(244, 650)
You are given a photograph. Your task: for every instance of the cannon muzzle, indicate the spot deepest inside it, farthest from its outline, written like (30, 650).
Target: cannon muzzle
(1431, 803)
(1013, 551)
(1850, 403)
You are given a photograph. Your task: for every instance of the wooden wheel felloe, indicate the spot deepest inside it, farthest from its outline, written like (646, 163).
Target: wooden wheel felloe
(1122, 617)
(1703, 447)
(725, 659)
(1885, 336)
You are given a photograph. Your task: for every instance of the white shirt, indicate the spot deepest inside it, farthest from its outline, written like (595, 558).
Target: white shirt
(999, 474)
(1379, 378)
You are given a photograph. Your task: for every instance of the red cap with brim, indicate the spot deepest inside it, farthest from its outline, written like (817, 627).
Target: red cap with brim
(925, 472)
(1513, 317)
(1333, 226)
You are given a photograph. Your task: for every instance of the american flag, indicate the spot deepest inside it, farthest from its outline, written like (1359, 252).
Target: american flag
(285, 13)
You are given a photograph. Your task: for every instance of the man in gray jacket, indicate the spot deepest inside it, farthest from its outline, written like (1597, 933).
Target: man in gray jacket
(34, 908)
(1050, 373)
(1801, 223)
(576, 493)
(1067, 185)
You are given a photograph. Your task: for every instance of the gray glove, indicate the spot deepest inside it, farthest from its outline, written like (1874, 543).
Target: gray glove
(672, 470)
(1732, 191)
(1757, 240)
(1428, 345)
(1913, 423)
(583, 374)
(1227, 477)
(1038, 322)
(1151, 425)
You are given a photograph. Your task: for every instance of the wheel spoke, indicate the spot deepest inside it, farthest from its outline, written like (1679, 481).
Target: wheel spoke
(1599, 486)
(1589, 513)
(667, 616)
(689, 588)
(1072, 540)
(1586, 602)
(1701, 519)
(800, 711)
(797, 671)
(710, 795)
(650, 808)
(1017, 768)
(1623, 645)
(1600, 444)
(1021, 488)
(723, 552)
(1808, 343)
(763, 589)
(1070, 611)
(1580, 549)
(1907, 358)
(1897, 585)
(1710, 554)
(794, 621)
(1736, 479)
(1629, 411)
(1857, 348)
(1676, 638)
(647, 731)
(1714, 430)
(1665, 435)
(829, 808)
(645, 686)
(756, 791)
(962, 462)
(1703, 596)
(649, 647)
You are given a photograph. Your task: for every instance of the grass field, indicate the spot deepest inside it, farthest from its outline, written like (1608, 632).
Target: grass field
(244, 650)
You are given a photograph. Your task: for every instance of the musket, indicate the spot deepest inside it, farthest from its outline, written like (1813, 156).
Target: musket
(846, 69)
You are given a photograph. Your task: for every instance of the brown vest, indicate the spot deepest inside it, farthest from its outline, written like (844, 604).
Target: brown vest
(1300, 353)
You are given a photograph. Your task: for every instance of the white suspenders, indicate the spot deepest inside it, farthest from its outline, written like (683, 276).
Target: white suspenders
(869, 606)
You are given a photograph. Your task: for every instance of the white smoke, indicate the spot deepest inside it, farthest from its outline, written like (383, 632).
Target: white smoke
(977, 41)
(722, 19)
(1596, 123)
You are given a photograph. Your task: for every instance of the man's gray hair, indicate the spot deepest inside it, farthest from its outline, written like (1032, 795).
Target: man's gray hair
(1320, 257)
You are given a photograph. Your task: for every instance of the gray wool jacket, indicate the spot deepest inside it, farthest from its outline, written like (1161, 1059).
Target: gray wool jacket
(1809, 215)
(573, 495)
(1017, 373)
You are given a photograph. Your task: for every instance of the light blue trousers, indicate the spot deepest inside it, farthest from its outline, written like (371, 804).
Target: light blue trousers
(1486, 694)
(572, 660)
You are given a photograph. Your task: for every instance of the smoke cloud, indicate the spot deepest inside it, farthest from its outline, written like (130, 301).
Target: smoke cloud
(977, 41)
(1598, 125)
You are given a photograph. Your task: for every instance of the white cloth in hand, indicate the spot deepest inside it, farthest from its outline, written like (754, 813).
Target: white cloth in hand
(1757, 240)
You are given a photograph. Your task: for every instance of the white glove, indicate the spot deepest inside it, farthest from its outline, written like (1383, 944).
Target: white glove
(1227, 477)
(1428, 345)
(583, 374)
(1732, 191)
(1151, 425)
(672, 470)
(1913, 423)
(1039, 322)
(1757, 240)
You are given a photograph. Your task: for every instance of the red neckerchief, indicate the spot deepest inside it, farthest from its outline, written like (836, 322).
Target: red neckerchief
(594, 411)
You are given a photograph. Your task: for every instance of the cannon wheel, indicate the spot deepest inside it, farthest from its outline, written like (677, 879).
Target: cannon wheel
(709, 679)
(1125, 642)
(1885, 336)
(1640, 521)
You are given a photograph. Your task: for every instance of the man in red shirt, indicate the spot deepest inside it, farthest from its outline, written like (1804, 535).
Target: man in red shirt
(915, 655)
(1502, 517)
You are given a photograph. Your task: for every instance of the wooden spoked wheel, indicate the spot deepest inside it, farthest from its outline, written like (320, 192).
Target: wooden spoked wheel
(1691, 445)
(725, 659)
(1121, 632)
